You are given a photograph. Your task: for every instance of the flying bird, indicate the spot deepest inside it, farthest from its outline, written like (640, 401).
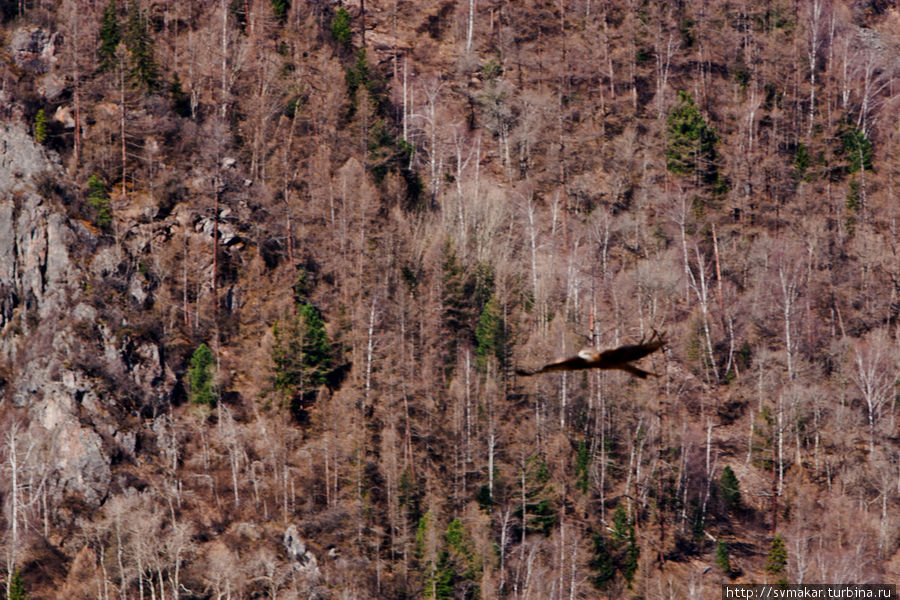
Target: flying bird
(615, 358)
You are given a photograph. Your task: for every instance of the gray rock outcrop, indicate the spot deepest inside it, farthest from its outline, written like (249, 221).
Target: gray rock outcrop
(56, 342)
(303, 559)
(34, 49)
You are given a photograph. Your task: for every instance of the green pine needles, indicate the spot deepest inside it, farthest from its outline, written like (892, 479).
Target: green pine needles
(110, 36)
(301, 355)
(458, 567)
(691, 150)
(200, 376)
(857, 148)
(143, 70)
(489, 336)
(730, 489)
(340, 28)
(722, 559)
(16, 589)
(280, 9)
(776, 564)
(40, 126)
(98, 199)
(618, 553)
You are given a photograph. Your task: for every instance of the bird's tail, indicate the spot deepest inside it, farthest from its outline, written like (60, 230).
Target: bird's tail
(525, 372)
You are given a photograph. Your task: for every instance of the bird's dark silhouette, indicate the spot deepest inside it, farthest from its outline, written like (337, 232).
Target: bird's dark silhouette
(615, 358)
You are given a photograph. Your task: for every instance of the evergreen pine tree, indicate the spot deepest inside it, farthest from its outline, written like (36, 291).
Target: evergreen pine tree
(110, 36)
(316, 347)
(632, 553)
(856, 147)
(457, 303)
(357, 75)
(301, 355)
(144, 70)
(582, 466)
(98, 199)
(777, 561)
(40, 126)
(280, 9)
(17, 587)
(457, 568)
(722, 560)
(340, 27)
(200, 377)
(692, 144)
(540, 498)
(801, 161)
(603, 564)
(181, 102)
(621, 523)
(730, 488)
(489, 335)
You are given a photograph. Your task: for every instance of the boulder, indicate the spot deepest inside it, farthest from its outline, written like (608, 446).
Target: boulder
(65, 116)
(303, 559)
(34, 49)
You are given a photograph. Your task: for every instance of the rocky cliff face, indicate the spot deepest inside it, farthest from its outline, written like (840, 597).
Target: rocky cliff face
(57, 348)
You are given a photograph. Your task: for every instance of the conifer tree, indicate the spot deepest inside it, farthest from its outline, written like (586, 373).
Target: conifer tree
(489, 334)
(722, 560)
(17, 587)
(603, 564)
(280, 9)
(144, 70)
(181, 102)
(582, 466)
(856, 148)
(40, 126)
(316, 347)
(801, 162)
(692, 144)
(540, 498)
(200, 377)
(777, 561)
(110, 36)
(624, 535)
(457, 569)
(340, 27)
(458, 311)
(301, 355)
(730, 488)
(98, 199)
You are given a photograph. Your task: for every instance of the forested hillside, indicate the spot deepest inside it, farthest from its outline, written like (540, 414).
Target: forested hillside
(268, 269)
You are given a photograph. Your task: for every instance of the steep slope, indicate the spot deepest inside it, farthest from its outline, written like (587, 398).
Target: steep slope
(260, 318)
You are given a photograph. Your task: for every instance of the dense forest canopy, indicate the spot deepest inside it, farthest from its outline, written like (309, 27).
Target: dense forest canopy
(268, 269)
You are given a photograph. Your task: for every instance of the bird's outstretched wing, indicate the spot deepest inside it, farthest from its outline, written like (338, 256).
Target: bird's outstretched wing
(583, 360)
(611, 359)
(615, 358)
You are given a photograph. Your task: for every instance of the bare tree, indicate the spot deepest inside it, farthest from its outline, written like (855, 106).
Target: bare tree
(874, 374)
(814, 19)
(15, 459)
